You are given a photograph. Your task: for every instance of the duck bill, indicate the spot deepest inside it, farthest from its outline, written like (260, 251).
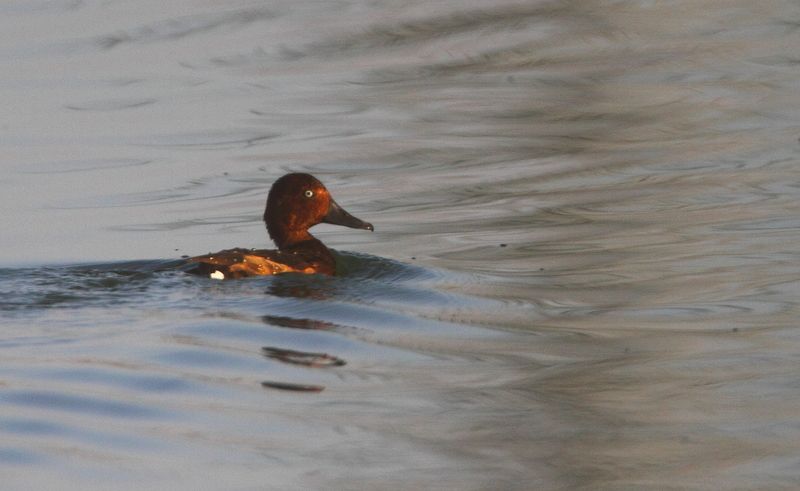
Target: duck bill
(337, 216)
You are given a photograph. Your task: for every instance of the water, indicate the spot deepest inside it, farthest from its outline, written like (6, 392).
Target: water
(584, 273)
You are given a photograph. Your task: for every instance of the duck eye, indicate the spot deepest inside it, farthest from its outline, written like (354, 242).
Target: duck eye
(309, 193)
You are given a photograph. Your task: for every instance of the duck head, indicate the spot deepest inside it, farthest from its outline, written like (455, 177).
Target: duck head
(297, 202)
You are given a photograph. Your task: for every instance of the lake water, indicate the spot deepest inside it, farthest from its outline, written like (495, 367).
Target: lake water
(584, 274)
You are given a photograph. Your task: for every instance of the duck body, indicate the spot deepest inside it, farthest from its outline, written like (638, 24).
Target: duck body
(296, 202)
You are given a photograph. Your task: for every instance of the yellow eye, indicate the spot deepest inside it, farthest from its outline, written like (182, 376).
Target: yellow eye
(309, 193)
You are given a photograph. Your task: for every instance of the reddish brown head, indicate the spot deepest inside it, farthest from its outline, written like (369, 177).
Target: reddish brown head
(297, 202)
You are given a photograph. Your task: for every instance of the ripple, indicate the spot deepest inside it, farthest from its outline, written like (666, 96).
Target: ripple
(29, 427)
(38, 6)
(211, 140)
(595, 203)
(181, 27)
(82, 165)
(206, 358)
(17, 456)
(69, 402)
(112, 378)
(201, 190)
(783, 224)
(501, 18)
(112, 104)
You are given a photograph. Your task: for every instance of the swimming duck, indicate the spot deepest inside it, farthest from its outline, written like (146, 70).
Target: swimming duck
(296, 202)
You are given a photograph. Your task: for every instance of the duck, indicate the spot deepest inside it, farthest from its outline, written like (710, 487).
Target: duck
(295, 203)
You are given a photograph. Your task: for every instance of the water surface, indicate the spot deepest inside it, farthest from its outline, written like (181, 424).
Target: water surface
(584, 273)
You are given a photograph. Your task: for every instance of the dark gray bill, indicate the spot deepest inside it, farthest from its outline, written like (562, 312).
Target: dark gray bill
(337, 216)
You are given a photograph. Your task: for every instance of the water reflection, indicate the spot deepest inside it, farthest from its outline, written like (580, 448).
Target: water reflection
(295, 323)
(302, 357)
(296, 286)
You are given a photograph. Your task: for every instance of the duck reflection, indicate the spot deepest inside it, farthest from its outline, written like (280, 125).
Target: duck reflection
(298, 323)
(296, 286)
(306, 359)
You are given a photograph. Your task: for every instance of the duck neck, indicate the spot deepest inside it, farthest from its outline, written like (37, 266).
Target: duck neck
(308, 247)
(284, 238)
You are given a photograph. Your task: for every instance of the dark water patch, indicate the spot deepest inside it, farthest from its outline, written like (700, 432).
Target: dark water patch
(103, 285)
